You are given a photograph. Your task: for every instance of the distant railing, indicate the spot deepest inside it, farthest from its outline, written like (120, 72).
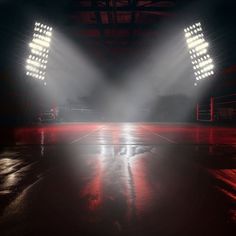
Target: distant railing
(205, 112)
(225, 108)
(219, 109)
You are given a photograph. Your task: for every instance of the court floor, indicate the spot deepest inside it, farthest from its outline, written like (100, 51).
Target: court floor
(118, 179)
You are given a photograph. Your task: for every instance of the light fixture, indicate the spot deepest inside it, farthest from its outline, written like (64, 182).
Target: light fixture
(198, 50)
(39, 50)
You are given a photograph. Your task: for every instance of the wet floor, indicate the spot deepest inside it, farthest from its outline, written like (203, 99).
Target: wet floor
(118, 179)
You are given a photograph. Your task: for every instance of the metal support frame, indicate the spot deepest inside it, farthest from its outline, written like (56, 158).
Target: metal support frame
(133, 19)
(98, 17)
(197, 112)
(209, 109)
(212, 108)
(114, 24)
(122, 9)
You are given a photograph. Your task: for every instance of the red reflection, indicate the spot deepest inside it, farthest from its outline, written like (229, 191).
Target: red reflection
(228, 177)
(195, 134)
(141, 133)
(92, 192)
(53, 134)
(142, 187)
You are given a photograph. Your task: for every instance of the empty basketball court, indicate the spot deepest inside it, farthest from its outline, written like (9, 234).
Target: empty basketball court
(117, 118)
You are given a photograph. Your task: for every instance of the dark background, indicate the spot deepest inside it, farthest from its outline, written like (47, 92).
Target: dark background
(116, 40)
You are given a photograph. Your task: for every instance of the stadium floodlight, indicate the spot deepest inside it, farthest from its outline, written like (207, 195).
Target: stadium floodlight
(37, 60)
(198, 49)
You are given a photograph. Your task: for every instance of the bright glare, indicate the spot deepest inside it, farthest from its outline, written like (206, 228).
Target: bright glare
(36, 63)
(198, 47)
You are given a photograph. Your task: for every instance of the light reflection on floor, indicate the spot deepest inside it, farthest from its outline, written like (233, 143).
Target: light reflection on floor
(143, 179)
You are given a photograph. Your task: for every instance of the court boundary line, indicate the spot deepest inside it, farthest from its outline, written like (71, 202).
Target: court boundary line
(163, 137)
(86, 135)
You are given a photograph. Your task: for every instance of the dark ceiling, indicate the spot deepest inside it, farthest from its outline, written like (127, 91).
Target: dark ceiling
(116, 24)
(117, 28)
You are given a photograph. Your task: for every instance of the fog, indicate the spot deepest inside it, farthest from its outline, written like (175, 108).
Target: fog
(161, 78)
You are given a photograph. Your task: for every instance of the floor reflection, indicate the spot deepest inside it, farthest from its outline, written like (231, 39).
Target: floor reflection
(120, 179)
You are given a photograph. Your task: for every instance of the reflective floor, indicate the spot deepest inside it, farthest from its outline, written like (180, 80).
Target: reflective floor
(118, 179)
